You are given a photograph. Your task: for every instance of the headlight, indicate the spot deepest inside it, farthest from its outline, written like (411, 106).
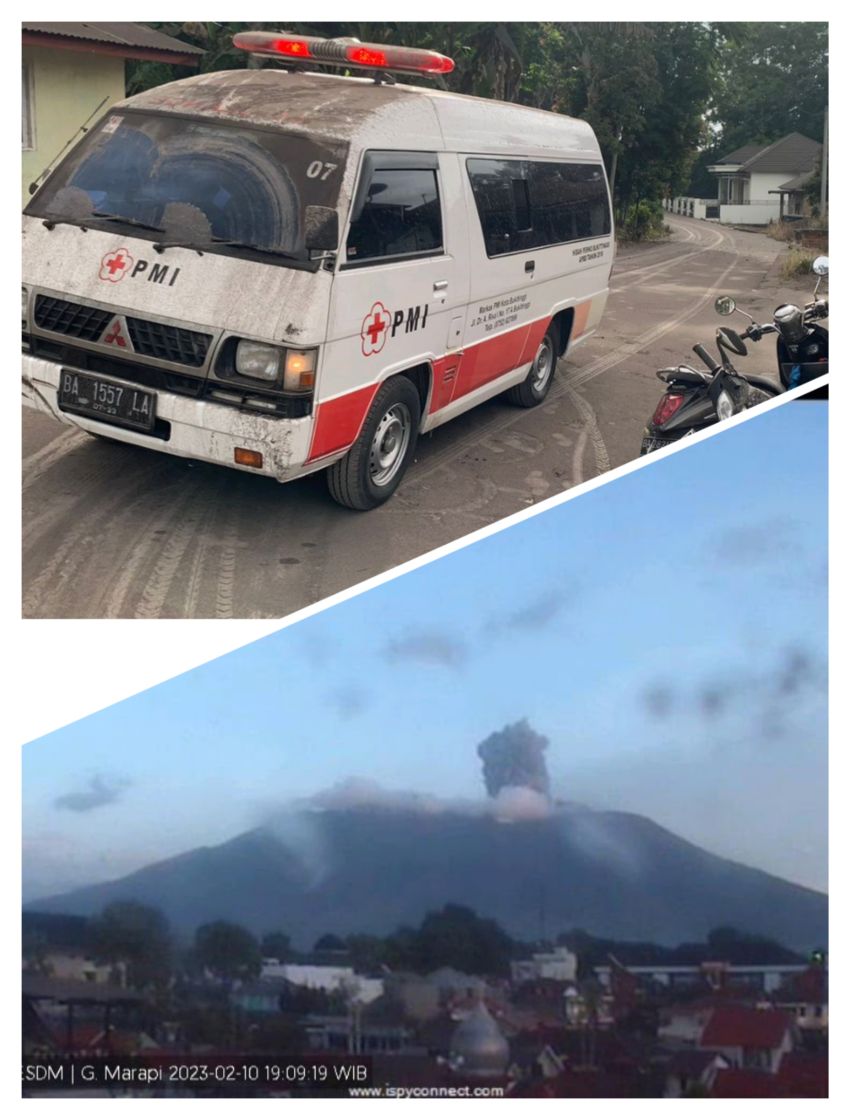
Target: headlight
(25, 298)
(725, 408)
(257, 359)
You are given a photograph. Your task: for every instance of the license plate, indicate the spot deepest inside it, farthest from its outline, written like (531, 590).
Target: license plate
(648, 444)
(106, 400)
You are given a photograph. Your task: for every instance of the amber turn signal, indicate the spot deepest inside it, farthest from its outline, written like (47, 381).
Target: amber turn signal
(246, 458)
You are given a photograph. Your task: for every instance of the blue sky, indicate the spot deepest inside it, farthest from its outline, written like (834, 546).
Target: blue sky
(666, 632)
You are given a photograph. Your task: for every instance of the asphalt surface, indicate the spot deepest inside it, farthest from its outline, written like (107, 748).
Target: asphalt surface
(114, 531)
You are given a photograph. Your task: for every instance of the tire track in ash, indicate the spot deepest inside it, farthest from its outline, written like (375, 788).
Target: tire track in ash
(83, 538)
(148, 541)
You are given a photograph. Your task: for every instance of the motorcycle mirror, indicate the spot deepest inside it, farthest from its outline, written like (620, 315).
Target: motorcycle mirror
(724, 305)
(732, 341)
(820, 266)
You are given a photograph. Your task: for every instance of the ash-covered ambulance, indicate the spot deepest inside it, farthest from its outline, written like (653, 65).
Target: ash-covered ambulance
(286, 271)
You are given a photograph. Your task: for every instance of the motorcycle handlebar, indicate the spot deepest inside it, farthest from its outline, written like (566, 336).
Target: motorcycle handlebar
(704, 356)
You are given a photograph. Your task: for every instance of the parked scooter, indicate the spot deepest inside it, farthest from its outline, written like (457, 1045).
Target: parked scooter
(694, 398)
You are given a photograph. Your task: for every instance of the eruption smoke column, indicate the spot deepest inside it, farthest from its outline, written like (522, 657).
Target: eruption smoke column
(514, 757)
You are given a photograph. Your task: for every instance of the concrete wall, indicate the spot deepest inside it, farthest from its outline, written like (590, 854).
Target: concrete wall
(754, 214)
(65, 86)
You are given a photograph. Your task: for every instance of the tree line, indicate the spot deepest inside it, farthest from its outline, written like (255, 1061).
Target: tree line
(665, 99)
(138, 939)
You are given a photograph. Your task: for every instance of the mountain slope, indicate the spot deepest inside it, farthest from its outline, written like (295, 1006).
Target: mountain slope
(368, 871)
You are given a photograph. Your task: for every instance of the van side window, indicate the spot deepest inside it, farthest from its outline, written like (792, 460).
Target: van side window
(500, 192)
(400, 216)
(569, 202)
(529, 204)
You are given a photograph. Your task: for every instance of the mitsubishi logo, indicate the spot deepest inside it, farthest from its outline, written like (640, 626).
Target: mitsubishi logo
(116, 334)
(373, 333)
(114, 265)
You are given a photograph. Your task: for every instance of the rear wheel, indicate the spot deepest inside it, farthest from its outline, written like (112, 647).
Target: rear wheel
(372, 470)
(537, 384)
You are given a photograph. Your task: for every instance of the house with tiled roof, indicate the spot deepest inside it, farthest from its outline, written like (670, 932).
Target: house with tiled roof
(750, 1038)
(754, 181)
(806, 998)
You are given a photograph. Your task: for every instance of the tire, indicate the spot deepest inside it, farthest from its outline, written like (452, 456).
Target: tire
(372, 470)
(533, 390)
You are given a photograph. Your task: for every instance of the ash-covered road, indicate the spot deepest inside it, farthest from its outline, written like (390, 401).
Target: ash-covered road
(111, 530)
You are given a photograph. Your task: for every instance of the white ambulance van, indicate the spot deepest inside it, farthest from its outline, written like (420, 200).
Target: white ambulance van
(287, 271)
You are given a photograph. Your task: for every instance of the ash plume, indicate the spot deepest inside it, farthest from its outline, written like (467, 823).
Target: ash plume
(513, 758)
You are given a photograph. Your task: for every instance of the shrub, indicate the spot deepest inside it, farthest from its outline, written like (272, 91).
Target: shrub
(644, 221)
(797, 262)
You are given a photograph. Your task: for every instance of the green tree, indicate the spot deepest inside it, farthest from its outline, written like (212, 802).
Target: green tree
(138, 936)
(277, 945)
(773, 79)
(227, 950)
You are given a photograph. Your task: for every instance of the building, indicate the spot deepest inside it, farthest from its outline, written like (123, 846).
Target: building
(751, 1038)
(806, 998)
(559, 964)
(751, 180)
(324, 977)
(72, 73)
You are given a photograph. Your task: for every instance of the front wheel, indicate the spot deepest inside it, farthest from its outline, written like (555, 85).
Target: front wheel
(372, 470)
(537, 384)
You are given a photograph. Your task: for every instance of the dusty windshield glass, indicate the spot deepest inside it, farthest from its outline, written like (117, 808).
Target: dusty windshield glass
(176, 179)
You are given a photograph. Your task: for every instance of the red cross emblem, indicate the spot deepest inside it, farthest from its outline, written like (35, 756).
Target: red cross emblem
(114, 265)
(115, 335)
(373, 333)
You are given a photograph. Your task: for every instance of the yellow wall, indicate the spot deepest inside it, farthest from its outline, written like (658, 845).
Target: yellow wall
(66, 87)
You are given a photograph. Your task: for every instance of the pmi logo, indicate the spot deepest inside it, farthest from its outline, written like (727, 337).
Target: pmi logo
(381, 323)
(119, 263)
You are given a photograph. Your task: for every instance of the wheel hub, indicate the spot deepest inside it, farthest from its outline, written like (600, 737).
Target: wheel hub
(389, 444)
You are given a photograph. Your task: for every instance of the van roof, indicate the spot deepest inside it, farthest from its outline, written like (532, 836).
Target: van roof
(365, 114)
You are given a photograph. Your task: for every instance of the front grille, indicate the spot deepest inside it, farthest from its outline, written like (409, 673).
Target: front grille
(291, 408)
(176, 345)
(170, 344)
(62, 317)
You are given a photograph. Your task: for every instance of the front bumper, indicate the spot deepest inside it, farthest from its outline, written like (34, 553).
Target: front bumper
(202, 430)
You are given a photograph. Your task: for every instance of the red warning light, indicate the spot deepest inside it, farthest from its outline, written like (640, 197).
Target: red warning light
(344, 52)
(296, 48)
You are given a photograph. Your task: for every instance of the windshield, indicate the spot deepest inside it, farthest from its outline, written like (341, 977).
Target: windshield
(182, 180)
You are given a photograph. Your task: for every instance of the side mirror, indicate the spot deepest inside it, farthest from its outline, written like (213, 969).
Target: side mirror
(724, 305)
(820, 266)
(321, 228)
(732, 341)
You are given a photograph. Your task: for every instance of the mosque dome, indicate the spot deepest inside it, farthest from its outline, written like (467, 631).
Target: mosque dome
(478, 1047)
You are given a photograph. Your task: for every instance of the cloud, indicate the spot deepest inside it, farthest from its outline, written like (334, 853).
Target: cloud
(768, 698)
(759, 542)
(101, 791)
(428, 647)
(348, 701)
(515, 757)
(534, 615)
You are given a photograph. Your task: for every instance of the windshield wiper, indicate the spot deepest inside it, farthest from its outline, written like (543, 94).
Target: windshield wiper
(259, 249)
(52, 223)
(126, 221)
(225, 243)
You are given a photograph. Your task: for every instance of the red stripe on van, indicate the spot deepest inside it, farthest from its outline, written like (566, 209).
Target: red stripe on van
(580, 318)
(338, 421)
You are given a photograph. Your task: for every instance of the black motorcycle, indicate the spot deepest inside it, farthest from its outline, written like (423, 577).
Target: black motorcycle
(696, 398)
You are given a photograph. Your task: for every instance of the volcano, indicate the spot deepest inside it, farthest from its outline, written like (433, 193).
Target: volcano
(370, 870)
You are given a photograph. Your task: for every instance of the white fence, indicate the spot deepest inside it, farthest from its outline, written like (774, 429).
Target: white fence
(756, 213)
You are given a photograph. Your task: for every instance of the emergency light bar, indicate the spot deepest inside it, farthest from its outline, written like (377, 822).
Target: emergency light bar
(343, 52)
